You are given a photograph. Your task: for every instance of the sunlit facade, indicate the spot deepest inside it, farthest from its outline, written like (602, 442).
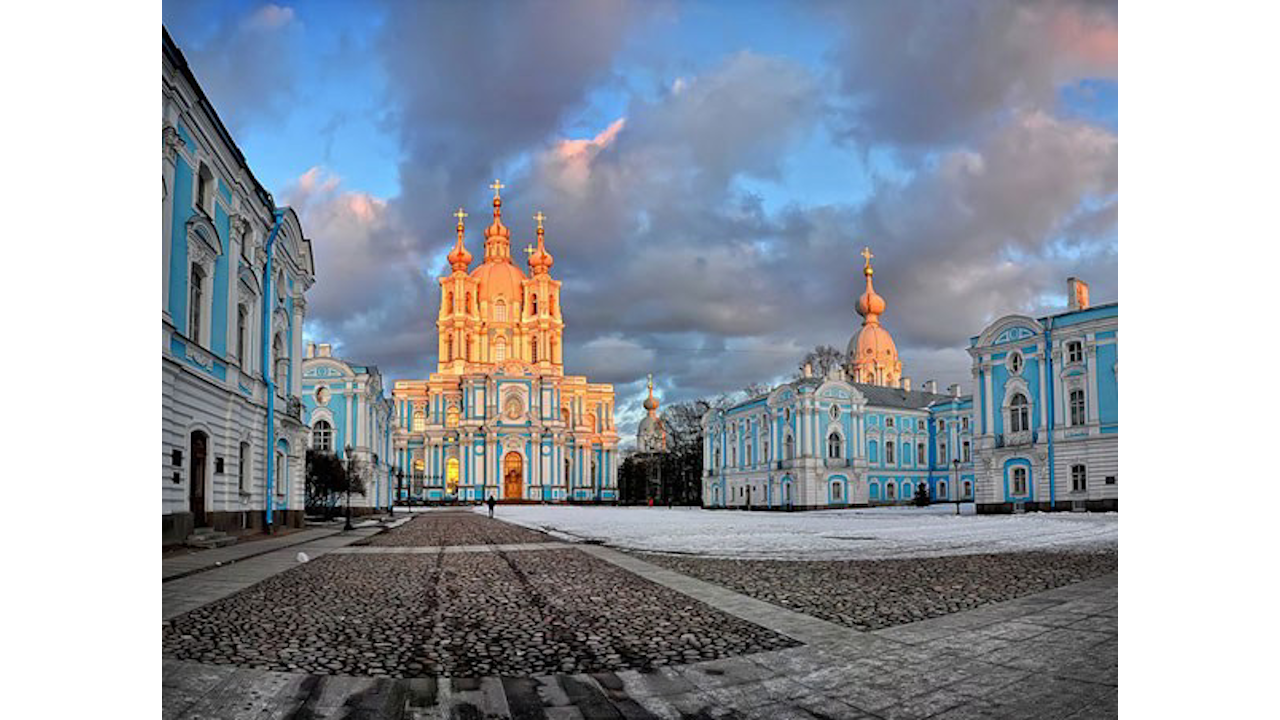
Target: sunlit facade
(499, 418)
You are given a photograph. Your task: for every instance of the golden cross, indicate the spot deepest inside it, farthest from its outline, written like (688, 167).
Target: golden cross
(528, 250)
(866, 255)
(496, 186)
(460, 214)
(539, 217)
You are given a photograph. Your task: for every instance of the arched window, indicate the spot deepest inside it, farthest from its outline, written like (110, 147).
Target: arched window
(204, 190)
(789, 447)
(1018, 414)
(322, 436)
(195, 302)
(449, 304)
(242, 334)
(942, 452)
(1019, 481)
(282, 364)
(942, 426)
(888, 452)
(942, 490)
(451, 417)
(890, 491)
(565, 416)
(419, 421)
(500, 350)
(534, 303)
(533, 350)
(1077, 406)
(764, 447)
(500, 311)
(834, 446)
(468, 308)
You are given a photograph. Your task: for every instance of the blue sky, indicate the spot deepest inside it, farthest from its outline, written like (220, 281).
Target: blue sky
(732, 158)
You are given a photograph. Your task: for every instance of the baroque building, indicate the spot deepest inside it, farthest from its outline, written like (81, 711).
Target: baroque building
(499, 417)
(651, 435)
(1048, 408)
(236, 269)
(859, 436)
(347, 412)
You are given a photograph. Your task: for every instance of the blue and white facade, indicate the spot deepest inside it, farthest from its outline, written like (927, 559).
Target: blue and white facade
(826, 443)
(236, 269)
(345, 408)
(1047, 409)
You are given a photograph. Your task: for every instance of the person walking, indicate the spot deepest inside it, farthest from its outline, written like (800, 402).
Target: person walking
(490, 502)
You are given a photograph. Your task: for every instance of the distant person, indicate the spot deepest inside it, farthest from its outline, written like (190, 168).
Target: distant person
(490, 502)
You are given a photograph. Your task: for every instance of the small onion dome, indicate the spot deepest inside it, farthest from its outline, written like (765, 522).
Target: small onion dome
(540, 261)
(870, 305)
(651, 402)
(497, 229)
(459, 258)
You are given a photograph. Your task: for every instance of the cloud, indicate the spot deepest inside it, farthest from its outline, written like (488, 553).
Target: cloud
(917, 73)
(248, 64)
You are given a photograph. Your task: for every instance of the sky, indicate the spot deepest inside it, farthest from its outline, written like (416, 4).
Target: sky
(710, 171)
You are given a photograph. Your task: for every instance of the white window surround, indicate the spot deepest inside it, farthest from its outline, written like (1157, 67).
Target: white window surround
(202, 253)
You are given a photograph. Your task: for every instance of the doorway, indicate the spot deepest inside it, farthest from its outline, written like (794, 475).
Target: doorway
(512, 476)
(196, 488)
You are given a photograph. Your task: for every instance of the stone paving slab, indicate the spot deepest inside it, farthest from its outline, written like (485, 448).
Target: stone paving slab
(177, 566)
(456, 527)
(446, 549)
(188, 593)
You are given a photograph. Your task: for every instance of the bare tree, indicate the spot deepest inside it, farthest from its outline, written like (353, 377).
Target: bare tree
(821, 359)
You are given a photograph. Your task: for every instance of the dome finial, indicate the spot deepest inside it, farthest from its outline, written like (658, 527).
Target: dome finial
(870, 305)
(651, 402)
(540, 260)
(866, 255)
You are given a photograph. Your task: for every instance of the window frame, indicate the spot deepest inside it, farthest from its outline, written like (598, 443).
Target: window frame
(1079, 478)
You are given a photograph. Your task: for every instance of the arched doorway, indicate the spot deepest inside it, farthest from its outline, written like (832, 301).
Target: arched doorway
(451, 477)
(196, 487)
(512, 476)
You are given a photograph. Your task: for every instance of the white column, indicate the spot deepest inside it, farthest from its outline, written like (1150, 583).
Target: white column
(990, 398)
(1091, 380)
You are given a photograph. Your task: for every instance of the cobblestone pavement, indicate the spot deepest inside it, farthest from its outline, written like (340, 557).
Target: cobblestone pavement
(873, 594)
(460, 614)
(461, 527)
(596, 633)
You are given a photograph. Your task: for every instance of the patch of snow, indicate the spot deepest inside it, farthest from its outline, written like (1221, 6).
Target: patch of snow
(853, 534)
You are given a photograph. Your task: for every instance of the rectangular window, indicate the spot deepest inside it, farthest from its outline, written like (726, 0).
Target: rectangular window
(1079, 481)
(197, 301)
(1019, 481)
(242, 317)
(1075, 352)
(920, 454)
(888, 452)
(1077, 407)
(942, 453)
(244, 467)
(964, 449)
(964, 424)
(888, 423)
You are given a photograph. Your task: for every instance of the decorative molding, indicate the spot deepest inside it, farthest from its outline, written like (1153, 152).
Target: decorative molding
(198, 356)
(173, 142)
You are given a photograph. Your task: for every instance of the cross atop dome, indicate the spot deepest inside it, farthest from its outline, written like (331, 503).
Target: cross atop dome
(495, 186)
(866, 255)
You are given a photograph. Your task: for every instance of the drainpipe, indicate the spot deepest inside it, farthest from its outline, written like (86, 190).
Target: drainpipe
(267, 375)
(1048, 358)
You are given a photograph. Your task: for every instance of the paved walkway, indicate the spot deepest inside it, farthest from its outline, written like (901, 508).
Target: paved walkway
(1048, 655)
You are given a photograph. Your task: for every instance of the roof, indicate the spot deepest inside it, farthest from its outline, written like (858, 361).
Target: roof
(899, 398)
(180, 62)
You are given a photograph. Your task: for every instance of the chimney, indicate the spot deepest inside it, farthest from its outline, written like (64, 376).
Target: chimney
(906, 383)
(1077, 294)
(325, 350)
(311, 350)
(954, 390)
(931, 386)
(808, 370)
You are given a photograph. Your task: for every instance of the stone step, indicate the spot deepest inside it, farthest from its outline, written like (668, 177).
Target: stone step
(201, 531)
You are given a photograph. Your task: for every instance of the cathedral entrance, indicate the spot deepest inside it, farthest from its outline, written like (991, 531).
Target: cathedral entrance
(451, 477)
(512, 476)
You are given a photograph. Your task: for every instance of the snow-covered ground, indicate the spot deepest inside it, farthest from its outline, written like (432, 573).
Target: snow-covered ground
(862, 534)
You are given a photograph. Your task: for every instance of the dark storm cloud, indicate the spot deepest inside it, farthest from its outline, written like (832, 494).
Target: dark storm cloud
(918, 72)
(669, 265)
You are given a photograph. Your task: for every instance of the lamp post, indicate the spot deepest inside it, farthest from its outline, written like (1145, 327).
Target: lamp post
(955, 482)
(350, 471)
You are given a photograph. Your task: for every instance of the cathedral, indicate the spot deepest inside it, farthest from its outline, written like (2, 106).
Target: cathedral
(499, 418)
(857, 436)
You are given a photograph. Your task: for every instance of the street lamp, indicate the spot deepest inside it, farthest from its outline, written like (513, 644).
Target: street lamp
(350, 471)
(955, 482)
(399, 488)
